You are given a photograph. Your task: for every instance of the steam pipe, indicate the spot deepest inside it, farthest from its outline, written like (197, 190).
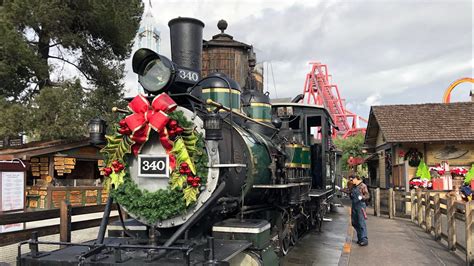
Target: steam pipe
(298, 98)
(105, 220)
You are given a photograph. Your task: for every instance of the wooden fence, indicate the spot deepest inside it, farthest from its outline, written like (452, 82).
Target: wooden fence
(426, 208)
(64, 228)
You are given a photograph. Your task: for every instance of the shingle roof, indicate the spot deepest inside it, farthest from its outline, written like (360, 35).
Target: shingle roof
(426, 122)
(37, 148)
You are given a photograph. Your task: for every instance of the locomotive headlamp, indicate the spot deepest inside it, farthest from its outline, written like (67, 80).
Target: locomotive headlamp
(97, 128)
(213, 126)
(157, 74)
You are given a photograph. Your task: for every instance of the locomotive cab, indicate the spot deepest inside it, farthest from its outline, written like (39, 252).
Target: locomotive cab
(310, 126)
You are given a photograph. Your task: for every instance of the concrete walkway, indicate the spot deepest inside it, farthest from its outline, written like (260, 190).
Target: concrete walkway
(321, 248)
(400, 242)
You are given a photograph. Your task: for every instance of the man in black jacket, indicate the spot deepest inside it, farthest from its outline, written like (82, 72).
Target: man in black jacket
(359, 194)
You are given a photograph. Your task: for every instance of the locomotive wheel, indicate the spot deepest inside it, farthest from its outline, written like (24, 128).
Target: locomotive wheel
(320, 221)
(284, 242)
(283, 235)
(316, 220)
(294, 234)
(308, 224)
(321, 213)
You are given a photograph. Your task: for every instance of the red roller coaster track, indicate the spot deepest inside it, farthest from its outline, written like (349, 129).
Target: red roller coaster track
(319, 90)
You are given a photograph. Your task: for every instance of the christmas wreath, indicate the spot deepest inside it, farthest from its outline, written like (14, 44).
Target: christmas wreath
(414, 157)
(184, 146)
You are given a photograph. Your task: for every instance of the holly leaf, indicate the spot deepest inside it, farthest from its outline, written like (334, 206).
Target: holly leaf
(177, 180)
(116, 179)
(190, 140)
(117, 146)
(190, 195)
(182, 155)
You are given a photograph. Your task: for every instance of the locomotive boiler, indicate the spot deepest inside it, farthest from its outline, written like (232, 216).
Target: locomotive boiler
(211, 172)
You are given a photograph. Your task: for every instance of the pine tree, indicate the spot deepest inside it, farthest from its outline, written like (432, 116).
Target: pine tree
(92, 36)
(423, 171)
(469, 175)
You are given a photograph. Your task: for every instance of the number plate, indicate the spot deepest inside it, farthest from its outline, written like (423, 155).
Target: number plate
(153, 165)
(187, 75)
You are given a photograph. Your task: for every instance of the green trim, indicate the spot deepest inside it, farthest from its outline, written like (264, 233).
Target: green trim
(223, 98)
(305, 157)
(259, 112)
(293, 165)
(219, 90)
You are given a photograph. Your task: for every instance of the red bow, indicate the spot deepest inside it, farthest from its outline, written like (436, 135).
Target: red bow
(146, 116)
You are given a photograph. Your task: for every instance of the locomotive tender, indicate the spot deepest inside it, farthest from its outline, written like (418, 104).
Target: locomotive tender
(255, 175)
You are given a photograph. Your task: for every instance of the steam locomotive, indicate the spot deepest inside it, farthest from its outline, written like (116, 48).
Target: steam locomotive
(211, 174)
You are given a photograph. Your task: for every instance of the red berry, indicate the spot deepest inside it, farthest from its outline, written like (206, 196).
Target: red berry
(179, 130)
(172, 132)
(197, 179)
(115, 163)
(184, 165)
(187, 171)
(173, 124)
(190, 179)
(195, 184)
(122, 123)
(107, 171)
(125, 131)
(121, 167)
(181, 171)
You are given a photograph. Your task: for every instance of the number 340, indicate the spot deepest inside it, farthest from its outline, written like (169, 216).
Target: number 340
(154, 165)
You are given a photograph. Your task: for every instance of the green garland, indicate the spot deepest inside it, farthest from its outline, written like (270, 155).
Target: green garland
(163, 203)
(152, 206)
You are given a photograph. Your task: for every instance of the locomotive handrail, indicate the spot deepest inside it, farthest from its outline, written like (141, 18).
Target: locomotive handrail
(218, 105)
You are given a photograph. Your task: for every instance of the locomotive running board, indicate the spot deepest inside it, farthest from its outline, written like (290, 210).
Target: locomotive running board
(282, 185)
(228, 165)
(316, 193)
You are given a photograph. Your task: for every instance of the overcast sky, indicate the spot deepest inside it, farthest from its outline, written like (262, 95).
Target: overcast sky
(378, 52)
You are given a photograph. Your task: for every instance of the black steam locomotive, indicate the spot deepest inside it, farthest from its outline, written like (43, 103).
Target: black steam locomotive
(210, 174)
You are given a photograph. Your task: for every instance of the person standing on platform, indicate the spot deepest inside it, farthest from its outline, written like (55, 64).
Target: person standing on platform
(359, 194)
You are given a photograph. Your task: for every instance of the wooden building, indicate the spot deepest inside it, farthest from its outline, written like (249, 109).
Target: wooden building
(224, 54)
(59, 169)
(436, 131)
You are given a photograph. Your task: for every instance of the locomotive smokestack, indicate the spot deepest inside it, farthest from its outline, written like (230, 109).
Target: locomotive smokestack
(186, 42)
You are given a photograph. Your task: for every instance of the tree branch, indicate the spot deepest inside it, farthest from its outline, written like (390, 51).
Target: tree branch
(71, 63)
